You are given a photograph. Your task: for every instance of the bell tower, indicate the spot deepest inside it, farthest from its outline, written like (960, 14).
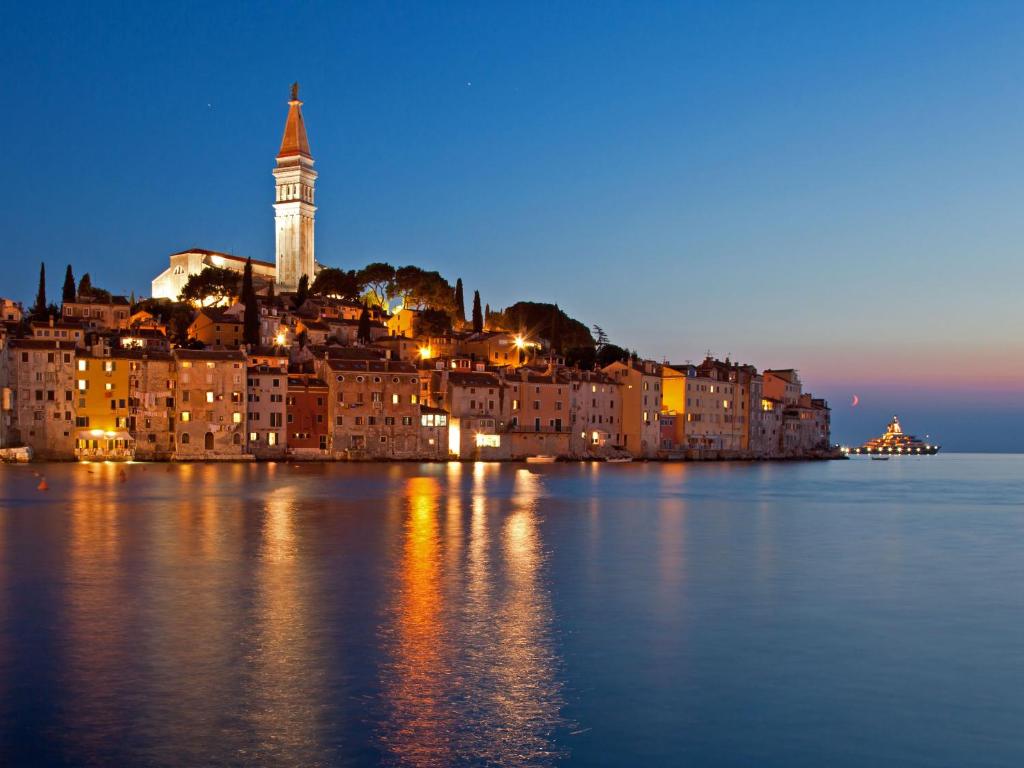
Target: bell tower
(294, 209)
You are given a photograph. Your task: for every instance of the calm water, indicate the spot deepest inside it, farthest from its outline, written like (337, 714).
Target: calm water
(841, 614)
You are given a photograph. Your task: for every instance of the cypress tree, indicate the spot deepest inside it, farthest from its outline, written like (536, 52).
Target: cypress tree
(363, 334)
(478, 315)
(68, 294)
(460, 302)
(303, 291)
(39, 308)
(251, 319)
(85, 285)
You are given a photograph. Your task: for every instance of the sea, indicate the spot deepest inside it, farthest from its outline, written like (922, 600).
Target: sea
(833, 613)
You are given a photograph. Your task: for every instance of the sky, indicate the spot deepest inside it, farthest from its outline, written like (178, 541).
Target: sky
(826, 186)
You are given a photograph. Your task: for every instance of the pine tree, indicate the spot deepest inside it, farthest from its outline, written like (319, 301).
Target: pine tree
(478, 315)
(68, 294)
(251, 319)
(39, 308)
(460, 302)
(302, 293)
(363, 334)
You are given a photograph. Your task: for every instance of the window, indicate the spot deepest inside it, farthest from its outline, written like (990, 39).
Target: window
(394, 399)
(236, 417)
(186, 415)
(83, 365)
(185, 438)
(209, 396)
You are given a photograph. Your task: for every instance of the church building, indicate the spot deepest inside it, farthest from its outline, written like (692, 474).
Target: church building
(294, 218)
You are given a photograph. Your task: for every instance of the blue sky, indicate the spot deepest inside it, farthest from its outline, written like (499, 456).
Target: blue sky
(834, 187)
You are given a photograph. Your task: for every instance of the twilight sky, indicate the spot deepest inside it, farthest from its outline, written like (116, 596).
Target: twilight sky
(833, 189)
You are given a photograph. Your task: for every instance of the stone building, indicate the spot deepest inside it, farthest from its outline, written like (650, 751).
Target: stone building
(479, 408)
(151, 402)
(640, 382)
(267, 388)
(37, 396)
(309, 432)
(374, 408)
(102, 410)
(539, 413)
(595, 413)
(211, 389)
(217, 327)
(98, 313)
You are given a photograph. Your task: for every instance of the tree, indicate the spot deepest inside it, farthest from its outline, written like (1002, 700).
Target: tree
(68, 293)
(377, 280)
(302, 292)
(336, 283)
(611, 353)
(583, 357)
(211, 286)
(39, 308)
(180, 319)
(460, 302)
(600, 337)
(536, 318)
(420, 289)
(85, 285)
(363, 332)
(251, 318)
(555, 329)
(478, 315)
(432, 322)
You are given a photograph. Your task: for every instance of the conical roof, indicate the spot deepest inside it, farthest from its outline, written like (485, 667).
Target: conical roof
(295, 142)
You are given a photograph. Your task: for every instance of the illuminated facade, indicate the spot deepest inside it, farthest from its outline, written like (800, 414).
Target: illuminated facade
(210, 416)
(641, 405)
(37, 396)
(267, 389)
(294, 209)
(101, 417)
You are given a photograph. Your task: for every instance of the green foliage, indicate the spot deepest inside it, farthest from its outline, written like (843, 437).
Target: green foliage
(210, 286)
(478, 315)
(377, 280)
(39, 308)
(302, 292)
(337, 283)
(611, 353)
(460, 302)
(251, 318)
(583, 357)
(432, 322)
(363, 332)
(539, 319)
(68, 293)
(419, 289)
(85, 285)
(178, 320)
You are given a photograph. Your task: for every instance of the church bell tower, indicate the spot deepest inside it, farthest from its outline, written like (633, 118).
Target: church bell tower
(294, 211)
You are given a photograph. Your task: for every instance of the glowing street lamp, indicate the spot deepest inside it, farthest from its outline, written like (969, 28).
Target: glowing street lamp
(425, 353)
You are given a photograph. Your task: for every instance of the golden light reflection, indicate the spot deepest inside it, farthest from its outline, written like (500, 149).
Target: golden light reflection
(417, 730)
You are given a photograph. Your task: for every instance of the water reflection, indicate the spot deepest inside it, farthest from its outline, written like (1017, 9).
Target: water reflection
(471, 680)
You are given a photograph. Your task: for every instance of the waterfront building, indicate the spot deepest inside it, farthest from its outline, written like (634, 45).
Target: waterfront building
(37, 382)
(433, 433)
(101, 416)
(102, 314)
(479, 408)
(640, 382)
(374, 408)
(782, 384)
(210, 421)
(595, 413)
(266, 390)
(151, 407)
(806, 425)
(538, 412)
(306, 412)
(765, 431)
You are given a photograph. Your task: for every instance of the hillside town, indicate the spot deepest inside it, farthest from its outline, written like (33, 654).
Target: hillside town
(233, 358)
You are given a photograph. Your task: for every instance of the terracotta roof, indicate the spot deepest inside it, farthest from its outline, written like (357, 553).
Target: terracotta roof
(210, 354)
(473, 378)
(294, 142)
(40, 344)
(372, 366)
(223, 255)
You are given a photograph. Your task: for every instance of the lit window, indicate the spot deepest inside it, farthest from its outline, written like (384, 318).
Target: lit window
(82, 385)
(186, 416)
(209, 397)
(236, 417)
(83, 365)
(108, 386)
(488, 441)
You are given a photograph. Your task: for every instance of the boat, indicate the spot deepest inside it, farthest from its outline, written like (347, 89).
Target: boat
(895, 442)
(618, 459)
(879, 458)
(541, 459)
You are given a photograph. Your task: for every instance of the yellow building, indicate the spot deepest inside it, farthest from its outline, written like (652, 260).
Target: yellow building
(101, 416)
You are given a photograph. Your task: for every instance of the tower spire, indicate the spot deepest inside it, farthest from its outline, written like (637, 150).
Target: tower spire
(294, 142)
(294, 206)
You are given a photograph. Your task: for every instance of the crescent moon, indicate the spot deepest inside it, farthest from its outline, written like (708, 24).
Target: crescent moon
(856, 401)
